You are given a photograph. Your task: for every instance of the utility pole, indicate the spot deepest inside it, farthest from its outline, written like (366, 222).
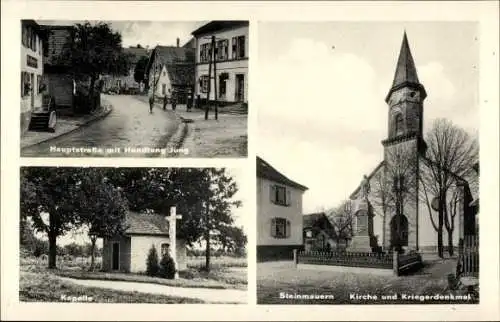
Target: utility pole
(212, 60)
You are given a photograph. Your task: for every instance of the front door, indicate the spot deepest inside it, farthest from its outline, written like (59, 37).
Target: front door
(240, 87)
(115, 257)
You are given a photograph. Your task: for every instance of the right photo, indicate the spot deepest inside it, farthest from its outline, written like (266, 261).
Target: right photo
(368, 163)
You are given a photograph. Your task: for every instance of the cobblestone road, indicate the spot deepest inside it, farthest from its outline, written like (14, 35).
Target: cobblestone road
(130, 130)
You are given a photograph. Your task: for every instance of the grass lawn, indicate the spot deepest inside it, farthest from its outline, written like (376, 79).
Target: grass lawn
(46, 287)
(281, 278)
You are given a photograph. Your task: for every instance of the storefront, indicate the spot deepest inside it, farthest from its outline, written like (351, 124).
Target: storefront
(31, 70)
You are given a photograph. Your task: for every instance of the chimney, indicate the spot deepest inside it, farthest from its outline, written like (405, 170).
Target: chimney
(178, 42)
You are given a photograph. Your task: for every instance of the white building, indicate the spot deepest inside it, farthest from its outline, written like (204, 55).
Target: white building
(279, 213)
(231, 42)
(31, 70)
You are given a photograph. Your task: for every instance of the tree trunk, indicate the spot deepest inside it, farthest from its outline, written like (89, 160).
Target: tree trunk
(52, 249)
(93, 240)
(207, 240)
(450, 242)
(440, 227)
(91, 99)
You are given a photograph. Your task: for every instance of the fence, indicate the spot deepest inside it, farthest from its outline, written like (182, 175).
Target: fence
(353, 259)
(468, 263)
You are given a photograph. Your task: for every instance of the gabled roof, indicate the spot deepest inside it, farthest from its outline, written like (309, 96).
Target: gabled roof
(406, 72)
(318, 220)
(178, 60)
(145, 224)
(266, 171)
(217, 25)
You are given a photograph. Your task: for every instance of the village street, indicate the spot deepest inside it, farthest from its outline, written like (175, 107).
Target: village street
(129, 125)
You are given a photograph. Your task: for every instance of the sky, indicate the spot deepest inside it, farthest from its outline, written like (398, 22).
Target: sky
(321, 110)
(145, 33)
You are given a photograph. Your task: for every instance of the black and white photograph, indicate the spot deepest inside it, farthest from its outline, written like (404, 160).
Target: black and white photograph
(380, 202)
(134, 88)
(133, 235)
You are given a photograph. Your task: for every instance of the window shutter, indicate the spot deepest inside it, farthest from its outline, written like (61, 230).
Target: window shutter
(272, 193)
(288, 197)
(235, 46)
(288, 228)
(273, 227)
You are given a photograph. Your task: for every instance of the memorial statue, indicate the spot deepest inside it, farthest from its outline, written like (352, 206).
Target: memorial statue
(365, 188)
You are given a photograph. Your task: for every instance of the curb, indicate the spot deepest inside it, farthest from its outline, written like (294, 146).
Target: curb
(82, 124)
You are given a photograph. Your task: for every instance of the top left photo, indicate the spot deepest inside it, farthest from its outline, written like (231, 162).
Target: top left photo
(155, 89)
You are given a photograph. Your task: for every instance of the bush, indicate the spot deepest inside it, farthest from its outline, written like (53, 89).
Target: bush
(152, 266)
(167, 267)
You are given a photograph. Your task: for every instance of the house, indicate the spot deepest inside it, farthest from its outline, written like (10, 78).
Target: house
(32, 70)
(411, 227)
(127, 82)
(128, 252)
(231, 52)
(58, 74)
(319, 233)
(279, 213)
(171, 69)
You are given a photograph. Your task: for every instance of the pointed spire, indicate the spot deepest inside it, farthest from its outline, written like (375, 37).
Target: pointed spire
(406, 72)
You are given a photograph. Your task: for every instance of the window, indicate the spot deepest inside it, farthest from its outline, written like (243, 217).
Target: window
(222, 84)
(204, 83)
(222, 49)
(165, 249)
(280, 228)
(398, 123)
(205, 52)
(238, 48)
(163, 89)
(25, 84)
(280, 195)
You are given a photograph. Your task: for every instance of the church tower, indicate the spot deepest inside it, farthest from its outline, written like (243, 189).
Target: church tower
(402, 148)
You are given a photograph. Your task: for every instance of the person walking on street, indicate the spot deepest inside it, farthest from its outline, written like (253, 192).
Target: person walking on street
(151, 102)
(165, 100)
(174, 100)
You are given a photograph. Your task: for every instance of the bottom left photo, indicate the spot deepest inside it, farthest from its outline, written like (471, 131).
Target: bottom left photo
(132, 235)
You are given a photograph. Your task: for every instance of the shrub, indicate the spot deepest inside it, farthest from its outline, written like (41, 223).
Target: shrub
(152, 266)
(167, 267)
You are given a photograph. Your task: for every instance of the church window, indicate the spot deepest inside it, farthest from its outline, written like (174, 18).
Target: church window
(398, 123)
(280, 227)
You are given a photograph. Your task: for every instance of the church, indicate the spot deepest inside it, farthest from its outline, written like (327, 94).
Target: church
(392, 207)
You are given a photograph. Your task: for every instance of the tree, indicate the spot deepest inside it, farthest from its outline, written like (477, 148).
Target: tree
(152, 265)
(451, 156)
(381, 196)
(48, 197)
(218, 205)
(342, 218)
(102, 207)
(94, 50)
(232, 239)
(140, 69)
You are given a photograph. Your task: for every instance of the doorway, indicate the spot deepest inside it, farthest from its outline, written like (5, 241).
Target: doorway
(240, 88)
(115, 256)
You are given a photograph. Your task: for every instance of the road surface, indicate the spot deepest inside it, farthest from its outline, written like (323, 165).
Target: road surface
(130, 130)
(208, 295)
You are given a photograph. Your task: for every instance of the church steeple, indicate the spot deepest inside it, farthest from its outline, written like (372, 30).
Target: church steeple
(406, 72)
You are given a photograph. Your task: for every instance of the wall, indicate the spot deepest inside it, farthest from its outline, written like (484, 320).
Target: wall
(140, 249)
(26, 107)
(61, 88)
(266, 210)
(164, 79)
(231, 67)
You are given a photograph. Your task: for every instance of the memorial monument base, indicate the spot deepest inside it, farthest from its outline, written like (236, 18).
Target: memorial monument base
(360, 244)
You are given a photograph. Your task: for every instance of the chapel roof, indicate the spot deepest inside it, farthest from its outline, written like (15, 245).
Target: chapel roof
(266, 171)
(146, 224)
(406, 72)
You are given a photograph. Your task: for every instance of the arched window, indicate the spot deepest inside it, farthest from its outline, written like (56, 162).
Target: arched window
(398, 124)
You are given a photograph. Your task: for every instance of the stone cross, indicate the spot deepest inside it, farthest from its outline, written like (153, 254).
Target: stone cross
(172, 232)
